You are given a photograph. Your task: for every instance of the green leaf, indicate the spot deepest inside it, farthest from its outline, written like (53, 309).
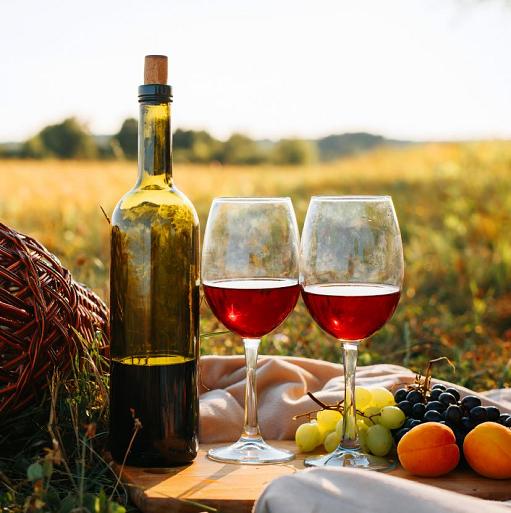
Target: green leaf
(103, 501)
(52, 499)
(35, 472)
(115, 507)
(47, 468)
(68, 503)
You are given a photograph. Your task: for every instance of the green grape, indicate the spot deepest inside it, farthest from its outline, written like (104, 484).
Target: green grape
(379, 440)
(362, 438)
(323, 431)
(328, 419)
(331, 441)
(363, 397)
(361, 426)
(372, 415)
(381, 397)
(307, 437)
(392, 417)
(326, 436)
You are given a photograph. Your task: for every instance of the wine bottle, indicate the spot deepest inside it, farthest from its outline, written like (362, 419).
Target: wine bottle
(154, 299)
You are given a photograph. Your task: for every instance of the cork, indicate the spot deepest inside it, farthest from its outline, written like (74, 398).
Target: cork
(155, 69)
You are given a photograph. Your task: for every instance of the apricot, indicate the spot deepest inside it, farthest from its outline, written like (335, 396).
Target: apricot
(487, 449)
(429, 450)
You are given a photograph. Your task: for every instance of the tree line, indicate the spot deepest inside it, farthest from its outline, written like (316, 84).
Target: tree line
(71, 139)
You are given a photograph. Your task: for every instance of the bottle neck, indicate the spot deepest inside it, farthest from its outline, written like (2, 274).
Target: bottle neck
(154, 146)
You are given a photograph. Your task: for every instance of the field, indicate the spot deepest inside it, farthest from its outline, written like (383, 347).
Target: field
(454, 206)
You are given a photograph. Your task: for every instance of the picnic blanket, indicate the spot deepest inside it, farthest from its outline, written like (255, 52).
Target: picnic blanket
(282, 384)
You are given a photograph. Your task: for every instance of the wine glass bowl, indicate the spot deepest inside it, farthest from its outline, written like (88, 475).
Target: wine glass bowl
(252, 307)
(250, 281)
(351, 273)
(351, 311)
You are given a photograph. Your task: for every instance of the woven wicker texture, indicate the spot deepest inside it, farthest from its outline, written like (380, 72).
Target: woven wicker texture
(40, 303)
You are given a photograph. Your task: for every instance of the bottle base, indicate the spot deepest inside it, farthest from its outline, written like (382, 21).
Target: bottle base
(151, 461)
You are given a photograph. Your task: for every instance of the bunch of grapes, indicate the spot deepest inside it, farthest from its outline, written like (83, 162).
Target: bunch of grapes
(377, 418)
(383, 418)
(444, 405)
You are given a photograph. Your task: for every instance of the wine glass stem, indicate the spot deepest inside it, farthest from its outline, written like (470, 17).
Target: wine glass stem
(251, 426)
(349, 438)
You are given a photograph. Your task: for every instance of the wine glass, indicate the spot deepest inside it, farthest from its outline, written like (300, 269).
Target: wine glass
(351, 273)
(250, 280)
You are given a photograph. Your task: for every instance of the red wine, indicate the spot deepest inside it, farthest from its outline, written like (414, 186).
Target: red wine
(252, 307)
(351, 311)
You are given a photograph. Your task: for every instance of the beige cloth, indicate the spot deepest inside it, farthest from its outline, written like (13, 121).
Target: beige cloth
(501, 396)
(282, 384)
(360, 491)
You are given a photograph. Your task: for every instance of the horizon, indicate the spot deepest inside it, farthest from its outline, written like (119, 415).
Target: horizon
(407, 70)
(274, 140)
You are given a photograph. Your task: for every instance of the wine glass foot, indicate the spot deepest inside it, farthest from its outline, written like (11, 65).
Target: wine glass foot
(352, 458)
(250, 451)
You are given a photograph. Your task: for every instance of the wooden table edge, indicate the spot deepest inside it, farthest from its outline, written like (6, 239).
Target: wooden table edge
(476, 486)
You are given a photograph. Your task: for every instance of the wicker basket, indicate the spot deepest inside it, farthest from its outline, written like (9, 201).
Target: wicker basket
(40, 303)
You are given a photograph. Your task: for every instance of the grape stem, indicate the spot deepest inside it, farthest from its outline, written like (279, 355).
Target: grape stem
(336, 407)
(423, 381)
(323, 405)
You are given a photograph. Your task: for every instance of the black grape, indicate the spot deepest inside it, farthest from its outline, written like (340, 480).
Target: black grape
(405, 407)
(414, 397)
(467, 423)
(454, 392)
(436, 406)
(408, 423)
(439, 386)
(460, 437)
(492, 413)
(400, 395)
(503, 418)
(447, 398)
(435, 394)
(478, 414)
(453, 414)
(432, 416)
(470, 401)
(418, 410)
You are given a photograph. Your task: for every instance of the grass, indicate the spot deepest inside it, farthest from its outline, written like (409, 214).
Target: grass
(51, 457)
(454, 206)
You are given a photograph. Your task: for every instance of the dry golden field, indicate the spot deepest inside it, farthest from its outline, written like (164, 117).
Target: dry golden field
(453, 202)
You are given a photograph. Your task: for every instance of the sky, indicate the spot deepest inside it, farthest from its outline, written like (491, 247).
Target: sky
(407, 69)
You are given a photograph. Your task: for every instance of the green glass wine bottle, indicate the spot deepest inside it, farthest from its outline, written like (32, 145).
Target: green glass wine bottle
(154, 299)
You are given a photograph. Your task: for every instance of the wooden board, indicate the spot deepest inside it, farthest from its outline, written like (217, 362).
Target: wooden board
(234, 488)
